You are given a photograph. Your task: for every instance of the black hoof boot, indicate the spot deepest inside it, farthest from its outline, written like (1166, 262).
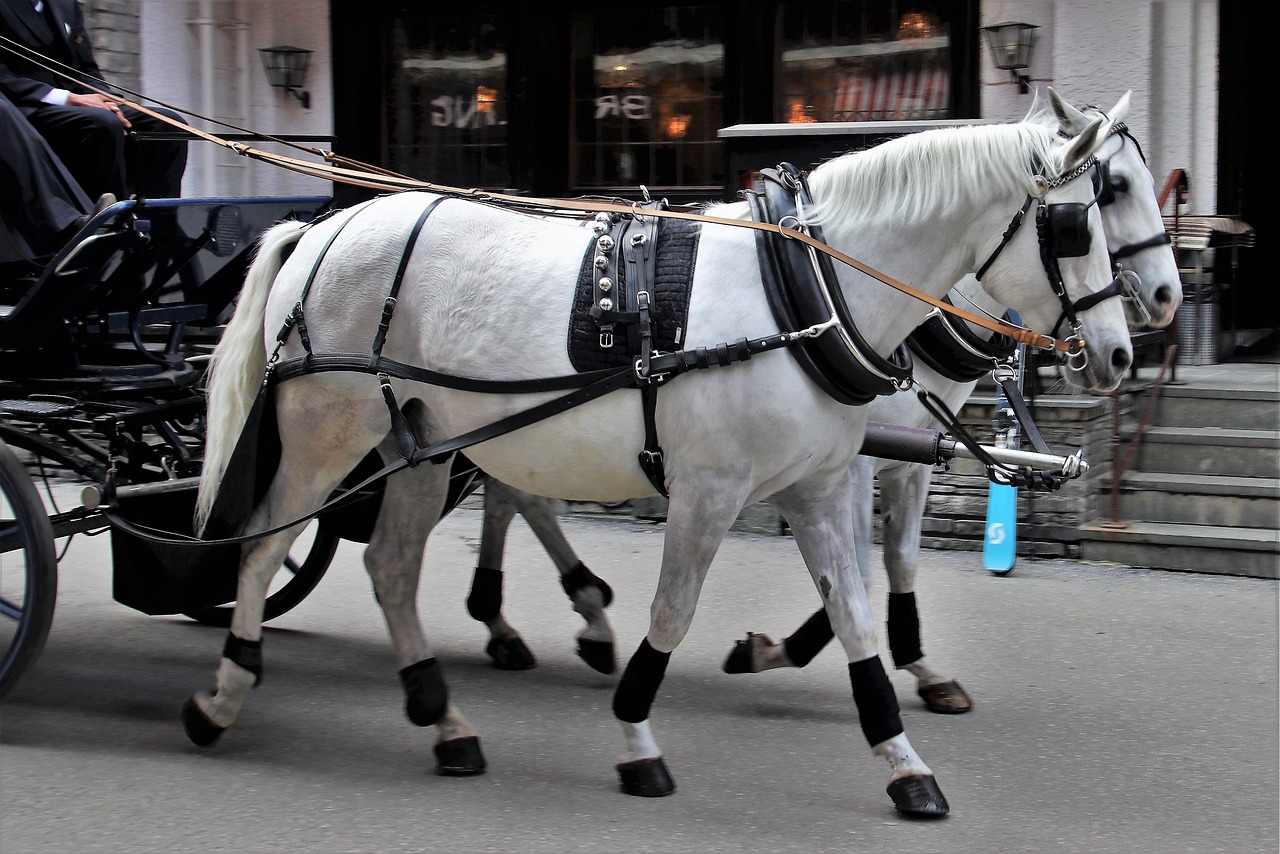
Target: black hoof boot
(510, 654)
(646, 778)
(460, 757)
(742, 658)
(202, 731)
(918, 796)
(598, 655)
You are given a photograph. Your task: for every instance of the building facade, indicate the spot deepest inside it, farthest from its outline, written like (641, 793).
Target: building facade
(582, 98)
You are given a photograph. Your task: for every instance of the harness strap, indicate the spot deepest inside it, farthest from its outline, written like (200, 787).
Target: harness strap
(1014, 395)
(1014, 225)
(389, 305)
(651, 456)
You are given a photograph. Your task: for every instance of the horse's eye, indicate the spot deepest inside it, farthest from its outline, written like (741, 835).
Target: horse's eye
(1119, 184)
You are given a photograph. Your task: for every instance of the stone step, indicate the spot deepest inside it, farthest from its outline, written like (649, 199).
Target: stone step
(1222, 550)
(1245, 502)
(1207, 450)
(1225, 408)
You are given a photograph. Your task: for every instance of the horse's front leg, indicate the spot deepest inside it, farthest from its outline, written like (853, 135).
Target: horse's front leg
(903, 494)
(589, 593)
(757, 652)
(697, 521)
(820, 522)
(411, 506)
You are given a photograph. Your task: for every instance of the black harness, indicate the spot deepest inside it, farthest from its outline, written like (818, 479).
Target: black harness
(799, 283)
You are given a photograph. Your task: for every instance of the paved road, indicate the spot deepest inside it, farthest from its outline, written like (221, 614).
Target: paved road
(1117, 710)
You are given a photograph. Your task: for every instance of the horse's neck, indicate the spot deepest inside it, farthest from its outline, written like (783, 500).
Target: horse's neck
(969, 294)
(921, 257)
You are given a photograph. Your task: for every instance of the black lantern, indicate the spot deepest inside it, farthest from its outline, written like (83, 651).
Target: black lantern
(286, 69)
(1010, 44)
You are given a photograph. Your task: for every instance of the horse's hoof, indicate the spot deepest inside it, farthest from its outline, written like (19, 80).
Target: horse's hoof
(745, 655)
(946, 698)
(202, 731)
(918, 796)
(598, 655)
(460, 757)
(646, 778)
(510, 654)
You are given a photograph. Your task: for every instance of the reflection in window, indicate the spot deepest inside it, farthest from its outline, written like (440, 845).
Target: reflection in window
(447, 122)
(854, 61)
(648, 88)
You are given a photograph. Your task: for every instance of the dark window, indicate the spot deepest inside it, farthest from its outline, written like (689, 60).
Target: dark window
(446, 120)
(648, 93)
(860, 61)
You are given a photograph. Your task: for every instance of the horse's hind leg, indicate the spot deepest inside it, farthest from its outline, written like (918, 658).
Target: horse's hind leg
(757, 652)
(589, 594)
(296, 490)
(825, 539)
(411, 506)
(902, 496)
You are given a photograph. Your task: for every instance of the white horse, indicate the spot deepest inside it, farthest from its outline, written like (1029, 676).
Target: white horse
(1140, 250)
(483, 293)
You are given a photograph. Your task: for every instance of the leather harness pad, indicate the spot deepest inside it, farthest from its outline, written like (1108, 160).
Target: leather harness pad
(796, 300)
(670, 272)
(934, 343)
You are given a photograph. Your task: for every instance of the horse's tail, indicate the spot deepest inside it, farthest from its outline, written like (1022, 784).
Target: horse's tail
(238, 364)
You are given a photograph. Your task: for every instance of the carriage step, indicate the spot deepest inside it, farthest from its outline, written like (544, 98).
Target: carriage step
(39, 407)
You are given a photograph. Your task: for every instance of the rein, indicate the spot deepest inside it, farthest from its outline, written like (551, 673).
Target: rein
(372, 178)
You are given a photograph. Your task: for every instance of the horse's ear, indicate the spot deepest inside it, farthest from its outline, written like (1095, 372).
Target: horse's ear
(1121, 110)
(1070, 120)
(1083, 144)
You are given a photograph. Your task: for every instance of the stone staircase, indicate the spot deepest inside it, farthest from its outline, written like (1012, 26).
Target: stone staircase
(1201, 489)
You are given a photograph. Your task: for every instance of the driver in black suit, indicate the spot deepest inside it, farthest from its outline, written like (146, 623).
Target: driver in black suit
(88, 131)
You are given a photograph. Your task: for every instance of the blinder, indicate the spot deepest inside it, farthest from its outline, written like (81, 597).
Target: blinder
(1068, 228)
(1106, 185)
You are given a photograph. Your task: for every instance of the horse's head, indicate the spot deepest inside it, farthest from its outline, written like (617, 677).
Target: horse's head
(1139, 245)
(1057, 274)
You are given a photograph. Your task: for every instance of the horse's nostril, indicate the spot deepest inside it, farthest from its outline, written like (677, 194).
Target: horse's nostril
(1120, 359)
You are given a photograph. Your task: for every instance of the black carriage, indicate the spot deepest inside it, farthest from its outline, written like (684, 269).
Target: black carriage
(102, 353)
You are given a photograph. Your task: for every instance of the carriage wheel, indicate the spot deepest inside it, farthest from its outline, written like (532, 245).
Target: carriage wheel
(293, 583)
(28, 570)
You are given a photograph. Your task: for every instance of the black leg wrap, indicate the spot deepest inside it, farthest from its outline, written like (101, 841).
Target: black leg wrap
(808, 640)
(639, 683)
(247, 654)
(579, 577)
(485, 600)
(904, 629)
(876, 702)
(426, 695)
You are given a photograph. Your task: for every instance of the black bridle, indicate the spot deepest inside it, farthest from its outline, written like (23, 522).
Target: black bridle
(1063, 232)
(1106, 186)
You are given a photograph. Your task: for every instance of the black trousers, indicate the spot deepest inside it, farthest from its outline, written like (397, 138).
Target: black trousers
(39, 198)
(94, 146)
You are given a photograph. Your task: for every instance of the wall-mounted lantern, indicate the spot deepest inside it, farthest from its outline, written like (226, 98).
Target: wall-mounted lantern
(1010, 44)
(286, 69)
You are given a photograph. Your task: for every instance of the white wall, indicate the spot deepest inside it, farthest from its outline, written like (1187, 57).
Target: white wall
(202, 56)
(1093, 51)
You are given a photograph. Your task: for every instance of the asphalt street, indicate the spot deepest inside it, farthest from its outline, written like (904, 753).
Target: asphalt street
(1116, 710)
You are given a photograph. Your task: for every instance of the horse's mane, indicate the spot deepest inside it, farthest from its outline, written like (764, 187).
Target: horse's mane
(931, 173)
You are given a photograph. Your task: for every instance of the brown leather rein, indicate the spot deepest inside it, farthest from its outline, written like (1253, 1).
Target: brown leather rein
(380, 179)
